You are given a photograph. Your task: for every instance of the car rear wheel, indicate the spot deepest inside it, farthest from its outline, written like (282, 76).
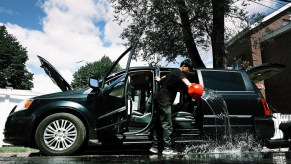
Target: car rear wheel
(60, 134)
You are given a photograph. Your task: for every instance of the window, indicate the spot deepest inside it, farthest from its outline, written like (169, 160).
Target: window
(115, 86)
(118, 90)
(286, 22)
(237, 64)
(223, 81)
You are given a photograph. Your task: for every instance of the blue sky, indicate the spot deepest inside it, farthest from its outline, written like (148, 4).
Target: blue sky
(26, 13)
(62, 31)
(68, 31)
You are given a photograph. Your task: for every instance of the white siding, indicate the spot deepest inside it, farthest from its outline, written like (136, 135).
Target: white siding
(8, 99)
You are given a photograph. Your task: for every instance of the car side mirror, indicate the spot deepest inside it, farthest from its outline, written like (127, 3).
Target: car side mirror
(93, 83)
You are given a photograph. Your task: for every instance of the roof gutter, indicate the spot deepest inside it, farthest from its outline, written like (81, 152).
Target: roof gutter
(251, 27)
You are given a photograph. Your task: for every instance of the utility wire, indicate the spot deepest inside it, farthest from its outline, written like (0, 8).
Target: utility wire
(277, 2)
(263, 5)
(285, 1)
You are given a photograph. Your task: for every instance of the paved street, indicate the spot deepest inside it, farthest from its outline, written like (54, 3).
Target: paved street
(265, 156)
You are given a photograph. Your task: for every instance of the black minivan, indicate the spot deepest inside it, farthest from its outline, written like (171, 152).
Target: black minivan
(118, 110)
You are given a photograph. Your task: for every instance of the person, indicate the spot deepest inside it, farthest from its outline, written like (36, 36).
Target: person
(163, 99)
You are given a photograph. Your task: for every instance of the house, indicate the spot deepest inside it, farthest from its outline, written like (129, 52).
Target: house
(267, 41)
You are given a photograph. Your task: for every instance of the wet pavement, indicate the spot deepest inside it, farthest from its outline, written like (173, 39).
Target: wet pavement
(264, 156)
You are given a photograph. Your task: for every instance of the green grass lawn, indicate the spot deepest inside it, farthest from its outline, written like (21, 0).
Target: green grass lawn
(15, 149)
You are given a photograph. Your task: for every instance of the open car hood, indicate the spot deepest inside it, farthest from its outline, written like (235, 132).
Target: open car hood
(54, 75)
(264, 71)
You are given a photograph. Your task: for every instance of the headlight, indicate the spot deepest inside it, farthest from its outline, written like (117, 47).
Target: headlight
(23, 105)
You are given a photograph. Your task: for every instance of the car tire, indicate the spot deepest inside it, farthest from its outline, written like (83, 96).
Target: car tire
(60, 134)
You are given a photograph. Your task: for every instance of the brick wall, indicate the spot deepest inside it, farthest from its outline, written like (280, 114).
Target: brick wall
(262, 31)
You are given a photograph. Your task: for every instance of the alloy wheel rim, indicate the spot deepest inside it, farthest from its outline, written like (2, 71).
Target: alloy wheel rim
(60, 135)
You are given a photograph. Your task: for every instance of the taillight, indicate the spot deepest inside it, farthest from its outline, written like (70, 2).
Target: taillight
(267, 111)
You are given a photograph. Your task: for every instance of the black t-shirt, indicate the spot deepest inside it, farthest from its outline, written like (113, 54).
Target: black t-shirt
(170, 86)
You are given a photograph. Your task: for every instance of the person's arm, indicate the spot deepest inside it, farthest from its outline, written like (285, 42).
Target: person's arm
(186, 82)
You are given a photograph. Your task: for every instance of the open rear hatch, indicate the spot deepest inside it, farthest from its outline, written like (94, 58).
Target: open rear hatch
(264, 71)
(260, 73)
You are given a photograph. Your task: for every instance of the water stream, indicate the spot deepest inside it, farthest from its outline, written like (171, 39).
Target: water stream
(218, 107)
(231, 143)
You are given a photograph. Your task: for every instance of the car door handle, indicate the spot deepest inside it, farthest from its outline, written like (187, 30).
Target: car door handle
(189, 117)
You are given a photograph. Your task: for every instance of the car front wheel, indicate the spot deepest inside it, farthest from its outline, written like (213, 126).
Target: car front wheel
(60, 134)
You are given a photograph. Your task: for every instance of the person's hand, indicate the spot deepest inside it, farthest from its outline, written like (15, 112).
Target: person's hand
(157, 78)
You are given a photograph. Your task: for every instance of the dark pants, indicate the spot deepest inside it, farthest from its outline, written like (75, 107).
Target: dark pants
(163, 128)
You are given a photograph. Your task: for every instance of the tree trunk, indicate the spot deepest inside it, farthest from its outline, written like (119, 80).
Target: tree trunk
(188, 37)
(217, 35)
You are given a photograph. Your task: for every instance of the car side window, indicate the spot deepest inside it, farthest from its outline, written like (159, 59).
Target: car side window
(223, 81)
(113, 78)
(118, 90)
(115, 86)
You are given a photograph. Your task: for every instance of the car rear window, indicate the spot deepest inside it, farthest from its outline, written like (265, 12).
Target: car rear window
(223, 81)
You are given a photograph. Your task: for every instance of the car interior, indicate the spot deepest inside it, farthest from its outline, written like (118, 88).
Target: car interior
(184, 109)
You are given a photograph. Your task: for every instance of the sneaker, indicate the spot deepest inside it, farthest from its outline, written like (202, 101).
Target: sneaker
(169, 151)
(154, 149)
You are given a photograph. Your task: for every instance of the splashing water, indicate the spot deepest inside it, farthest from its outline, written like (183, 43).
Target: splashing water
(234, 144)
(244, 142)
(219, 109)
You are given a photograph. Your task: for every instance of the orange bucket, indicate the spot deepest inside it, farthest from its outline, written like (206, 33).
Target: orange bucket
(195, 90)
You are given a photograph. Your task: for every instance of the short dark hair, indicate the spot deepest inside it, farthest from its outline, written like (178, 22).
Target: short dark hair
(187, 63)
